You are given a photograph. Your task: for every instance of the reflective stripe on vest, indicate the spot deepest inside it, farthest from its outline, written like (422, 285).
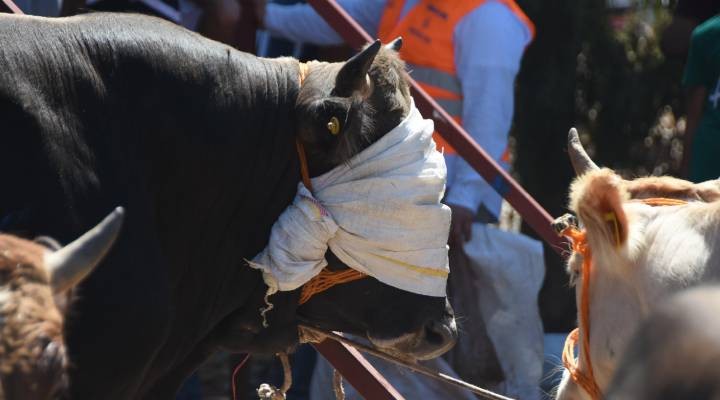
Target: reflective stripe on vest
(435, 77)
(453, 107)
(435, 81)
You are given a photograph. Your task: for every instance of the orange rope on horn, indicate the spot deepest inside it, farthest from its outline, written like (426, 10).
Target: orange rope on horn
(578, 240)
(327, 279)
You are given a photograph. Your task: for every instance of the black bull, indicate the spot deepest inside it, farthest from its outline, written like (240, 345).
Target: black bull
(196, 140)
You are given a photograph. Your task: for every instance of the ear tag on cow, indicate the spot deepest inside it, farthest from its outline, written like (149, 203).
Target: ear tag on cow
(611, 218)
(334, 125)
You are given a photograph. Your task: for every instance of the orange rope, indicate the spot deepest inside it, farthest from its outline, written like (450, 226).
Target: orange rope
(578, 240)
(660, 201)
(327, 279)
(304, 172)
(585, 380)
(303, 69)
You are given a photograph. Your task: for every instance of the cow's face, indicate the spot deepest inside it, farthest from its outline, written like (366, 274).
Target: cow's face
(33, 362)
(342, 108)
(640, 252)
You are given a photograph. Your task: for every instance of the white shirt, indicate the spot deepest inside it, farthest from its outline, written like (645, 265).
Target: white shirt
(489, 44)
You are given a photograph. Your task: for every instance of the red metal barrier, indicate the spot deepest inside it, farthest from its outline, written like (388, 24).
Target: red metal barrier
(453, 133)
(7, 6)
(357, 371)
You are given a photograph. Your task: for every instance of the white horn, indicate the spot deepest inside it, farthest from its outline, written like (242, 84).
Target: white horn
(72, 263)
(579, 159)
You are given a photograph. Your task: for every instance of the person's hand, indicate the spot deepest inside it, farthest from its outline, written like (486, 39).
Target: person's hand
(460, 224)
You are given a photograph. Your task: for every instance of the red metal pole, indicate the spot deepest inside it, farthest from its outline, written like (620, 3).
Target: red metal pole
(357, 371)
(456, 136)
(7, 6)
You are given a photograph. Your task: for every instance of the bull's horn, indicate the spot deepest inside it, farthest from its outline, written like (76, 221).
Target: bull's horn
(72, 263)
(581, 162)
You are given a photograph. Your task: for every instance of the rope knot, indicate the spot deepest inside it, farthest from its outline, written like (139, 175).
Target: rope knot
(269, 392)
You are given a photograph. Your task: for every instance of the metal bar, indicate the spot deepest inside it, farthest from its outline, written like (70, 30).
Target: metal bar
(421, 369)
(357, 371)
(456, 136)
(7, 6)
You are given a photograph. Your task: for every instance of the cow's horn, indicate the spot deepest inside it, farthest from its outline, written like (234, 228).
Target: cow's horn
(72, 263)
(581, 162)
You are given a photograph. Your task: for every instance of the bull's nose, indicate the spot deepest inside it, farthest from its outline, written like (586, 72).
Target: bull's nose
(440, 333)
(440, 336)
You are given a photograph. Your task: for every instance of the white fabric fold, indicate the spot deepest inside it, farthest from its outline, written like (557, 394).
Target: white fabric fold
(380, 214)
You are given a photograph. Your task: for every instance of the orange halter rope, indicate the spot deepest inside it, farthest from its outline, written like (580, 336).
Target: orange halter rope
(585, 380)
(325, 279)
(578, 240)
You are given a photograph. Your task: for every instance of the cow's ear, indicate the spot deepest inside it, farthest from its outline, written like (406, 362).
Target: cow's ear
(353, 75)
(597, 198)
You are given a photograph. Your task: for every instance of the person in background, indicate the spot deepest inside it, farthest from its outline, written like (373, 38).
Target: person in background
(221, 20)
(687, 15)
(702, 80)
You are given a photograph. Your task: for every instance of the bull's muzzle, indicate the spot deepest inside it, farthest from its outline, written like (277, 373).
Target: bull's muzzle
(435, 338)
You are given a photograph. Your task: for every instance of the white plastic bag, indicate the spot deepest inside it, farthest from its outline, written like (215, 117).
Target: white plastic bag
(507, 272)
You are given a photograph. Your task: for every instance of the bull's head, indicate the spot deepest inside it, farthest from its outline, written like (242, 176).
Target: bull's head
(33, 360)
(639, 251)
(343, 108)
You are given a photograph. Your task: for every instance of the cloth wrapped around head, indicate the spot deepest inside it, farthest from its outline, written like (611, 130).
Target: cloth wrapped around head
(380, 214)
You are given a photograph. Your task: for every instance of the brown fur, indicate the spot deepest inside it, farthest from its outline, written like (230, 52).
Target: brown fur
(32, 355)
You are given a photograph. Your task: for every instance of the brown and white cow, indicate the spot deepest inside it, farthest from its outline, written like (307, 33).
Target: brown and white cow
(33, 362)
(640, 254)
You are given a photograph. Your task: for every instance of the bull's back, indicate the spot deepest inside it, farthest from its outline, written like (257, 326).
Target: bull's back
(92, 106)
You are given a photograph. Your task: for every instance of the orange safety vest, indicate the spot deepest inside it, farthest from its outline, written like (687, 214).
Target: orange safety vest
(427, 32)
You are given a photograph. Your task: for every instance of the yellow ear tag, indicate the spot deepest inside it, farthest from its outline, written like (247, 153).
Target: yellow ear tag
(334, 126)
(612, 218)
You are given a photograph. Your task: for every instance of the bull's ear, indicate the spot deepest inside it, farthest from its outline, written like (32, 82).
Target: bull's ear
(597, 198)
(353, 75)
(395, 45)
